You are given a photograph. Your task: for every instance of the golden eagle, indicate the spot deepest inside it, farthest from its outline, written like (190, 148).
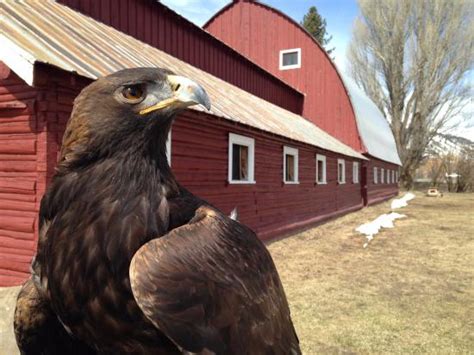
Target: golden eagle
(130, 262)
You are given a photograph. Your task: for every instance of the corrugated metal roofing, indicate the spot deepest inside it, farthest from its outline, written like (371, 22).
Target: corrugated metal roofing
(47, 32)
(373, 127)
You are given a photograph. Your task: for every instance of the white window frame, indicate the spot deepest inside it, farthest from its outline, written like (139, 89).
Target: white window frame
(388, 176)
(393, 176)
(343, 162)
(248, 142)
(294, 153)
(168, 147)
(355, 172)
(293, 66)
(376, 175)
(382, 175)
(321, 158)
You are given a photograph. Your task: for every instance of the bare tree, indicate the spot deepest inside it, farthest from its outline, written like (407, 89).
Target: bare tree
(412, 58)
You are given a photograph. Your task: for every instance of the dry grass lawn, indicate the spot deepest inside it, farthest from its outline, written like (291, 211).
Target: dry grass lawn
(410, 291)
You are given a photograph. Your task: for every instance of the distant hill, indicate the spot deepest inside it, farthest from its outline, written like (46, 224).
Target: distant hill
(448, 143)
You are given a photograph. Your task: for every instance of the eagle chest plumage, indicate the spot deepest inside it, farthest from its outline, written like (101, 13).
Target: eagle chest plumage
(86, 259)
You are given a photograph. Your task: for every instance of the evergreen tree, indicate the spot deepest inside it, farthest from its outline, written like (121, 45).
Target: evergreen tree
(316, 26)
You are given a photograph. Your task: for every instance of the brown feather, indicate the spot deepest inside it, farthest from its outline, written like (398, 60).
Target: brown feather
(212, 285)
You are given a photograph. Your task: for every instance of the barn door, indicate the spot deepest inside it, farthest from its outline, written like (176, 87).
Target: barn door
(363, 184)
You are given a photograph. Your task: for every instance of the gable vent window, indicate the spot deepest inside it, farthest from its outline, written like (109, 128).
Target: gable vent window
(290, 59)
(290, 165)
(241, 159)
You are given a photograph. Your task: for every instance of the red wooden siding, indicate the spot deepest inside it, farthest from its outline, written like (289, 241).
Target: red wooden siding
(21, 173)
(380, 192)
(270, 207)
(155, 24)
(260, 32)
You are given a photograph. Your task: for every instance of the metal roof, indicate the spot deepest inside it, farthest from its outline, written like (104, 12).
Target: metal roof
(47, 32)
(374, 129)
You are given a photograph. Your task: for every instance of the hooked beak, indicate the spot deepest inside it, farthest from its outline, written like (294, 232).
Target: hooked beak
(186, 93)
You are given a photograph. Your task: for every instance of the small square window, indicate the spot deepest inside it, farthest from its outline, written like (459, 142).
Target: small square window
(341, 171)
(290, 165)
(376, 176)
(290, 59)
(321, 169)
(241, 159)
(355, 172)
(382, 175)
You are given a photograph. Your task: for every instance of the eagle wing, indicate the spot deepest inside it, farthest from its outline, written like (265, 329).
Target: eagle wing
(211, 285)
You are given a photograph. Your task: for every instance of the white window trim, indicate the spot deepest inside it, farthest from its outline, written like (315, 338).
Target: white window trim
(293, 66)
(355, 172)
(322, 158)
(388, 176)
(250, 143)
(382, 175)
(376, 175)
(168, 147)
(343, 162)
(294, 152)
(393, 176)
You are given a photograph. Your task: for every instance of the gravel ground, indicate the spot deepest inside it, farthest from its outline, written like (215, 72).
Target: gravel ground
(7, 307)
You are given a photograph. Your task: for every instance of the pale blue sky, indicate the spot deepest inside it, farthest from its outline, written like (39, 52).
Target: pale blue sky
(339, 15)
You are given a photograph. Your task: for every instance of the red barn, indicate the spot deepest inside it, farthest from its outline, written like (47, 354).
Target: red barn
(254, 150)
(282, 46)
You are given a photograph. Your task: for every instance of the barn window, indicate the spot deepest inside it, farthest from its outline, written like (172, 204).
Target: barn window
(321, 169)
(341, 171)
(393, 176)
(168, 148)
(382, 172)
(397, 176)
(241, 159)
(388, 176)
(290, 59)
(290, 165)
(355, 172)
(376, 176)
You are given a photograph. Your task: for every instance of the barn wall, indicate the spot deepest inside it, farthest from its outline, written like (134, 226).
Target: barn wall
(199, 161)
(155, 24)
(270, 207)
(244, 25)
(22, 175)
(32, 122)
(380, 192)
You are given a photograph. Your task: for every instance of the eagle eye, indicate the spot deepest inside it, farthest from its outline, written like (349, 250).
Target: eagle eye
(133, 94)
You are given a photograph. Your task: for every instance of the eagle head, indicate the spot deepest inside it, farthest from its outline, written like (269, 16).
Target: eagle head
(130, 108)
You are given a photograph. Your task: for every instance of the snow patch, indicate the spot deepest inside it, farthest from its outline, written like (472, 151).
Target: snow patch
(402, 202)
(372, 228)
